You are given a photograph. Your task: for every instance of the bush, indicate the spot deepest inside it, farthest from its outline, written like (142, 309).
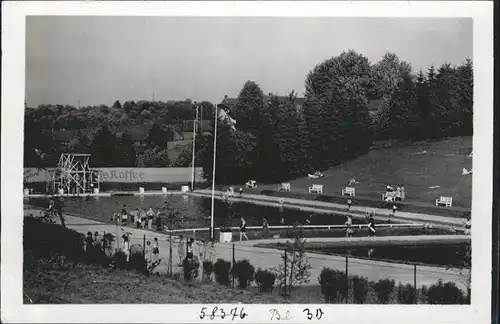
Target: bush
(244, 271)
(360, 289)
(139, 263)
(406, 294)
(447, 293)
(265, 280)
(119, 259)
(44, 240)
(208, 268)
(222, 270)
(384, 288)
(333, 285)
(190, 268)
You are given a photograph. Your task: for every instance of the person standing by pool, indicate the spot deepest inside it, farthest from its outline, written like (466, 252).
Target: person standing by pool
(148, 253)
(89, 243)
(349, 204)
(243, 228)
(371, 226)
(124, 215)
(151, 215)
(394, 209)
(190, 249)
(348, 224)
(265, 228)
(137, 218)
(143, 218)
(126, 246)
(156, 250)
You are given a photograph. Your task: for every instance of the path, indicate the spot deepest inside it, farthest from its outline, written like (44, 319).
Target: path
(268, 258)
(326, 207)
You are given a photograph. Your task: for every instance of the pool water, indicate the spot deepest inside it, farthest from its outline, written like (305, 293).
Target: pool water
(184, 212)
(438, 255)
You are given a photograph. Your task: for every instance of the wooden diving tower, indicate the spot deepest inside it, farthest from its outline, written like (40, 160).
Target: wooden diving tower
(73, 175)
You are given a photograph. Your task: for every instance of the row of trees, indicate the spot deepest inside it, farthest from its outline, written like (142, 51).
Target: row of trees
(276, 138)
(108, 148)
(275, 141)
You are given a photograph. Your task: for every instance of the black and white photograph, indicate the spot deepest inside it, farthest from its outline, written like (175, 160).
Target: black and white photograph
(242, 164)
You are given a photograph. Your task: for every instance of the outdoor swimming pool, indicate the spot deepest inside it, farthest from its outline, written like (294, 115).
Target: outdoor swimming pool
(438, 255)
(184, 212)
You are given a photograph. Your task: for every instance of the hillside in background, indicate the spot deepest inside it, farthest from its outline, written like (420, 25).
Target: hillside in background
(427, 169)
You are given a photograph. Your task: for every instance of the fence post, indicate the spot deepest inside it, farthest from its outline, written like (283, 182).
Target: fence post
(347, 277)
(144, 245)
(232, 266)
(284, 278)
(415, 283)
(170, 257)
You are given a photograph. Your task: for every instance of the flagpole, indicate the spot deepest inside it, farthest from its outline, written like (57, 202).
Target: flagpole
(213, 174)
(194, 149)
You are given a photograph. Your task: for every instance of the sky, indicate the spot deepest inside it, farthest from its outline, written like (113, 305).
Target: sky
(96, 60)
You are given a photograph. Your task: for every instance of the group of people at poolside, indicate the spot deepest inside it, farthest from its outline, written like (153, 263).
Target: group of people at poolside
(140, 218)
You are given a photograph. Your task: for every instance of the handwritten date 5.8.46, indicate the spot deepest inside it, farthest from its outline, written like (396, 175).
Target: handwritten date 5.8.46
(219, 313)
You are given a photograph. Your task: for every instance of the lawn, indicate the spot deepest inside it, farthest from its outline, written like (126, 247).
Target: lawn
(90, 284)
(427, 170)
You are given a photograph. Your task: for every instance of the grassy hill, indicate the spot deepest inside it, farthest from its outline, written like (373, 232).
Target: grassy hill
(420, 166)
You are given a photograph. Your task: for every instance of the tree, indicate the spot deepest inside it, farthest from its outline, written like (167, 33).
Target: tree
(117, 104)
(335, 109)
(247, 110)
(233, 160)
(388, 74)
(399, 116)
(104, 150)
(154, 157)
(128, 155)
(157, 136)
(297, 269)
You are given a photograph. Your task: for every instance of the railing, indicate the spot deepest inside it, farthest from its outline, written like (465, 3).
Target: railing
(234, 228)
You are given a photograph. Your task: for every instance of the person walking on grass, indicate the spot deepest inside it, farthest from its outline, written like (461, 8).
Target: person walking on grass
(151, 215)
(241, 191)
(181, 248)
(243, 228)
(349, 204)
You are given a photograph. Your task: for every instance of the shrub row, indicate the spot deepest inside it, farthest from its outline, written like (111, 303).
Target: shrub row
(335, 288)
(44, 241)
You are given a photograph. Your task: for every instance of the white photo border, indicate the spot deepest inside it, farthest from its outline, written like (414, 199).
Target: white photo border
(13, 95)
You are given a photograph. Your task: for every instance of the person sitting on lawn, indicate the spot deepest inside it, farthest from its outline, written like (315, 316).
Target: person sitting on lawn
(353, 182)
